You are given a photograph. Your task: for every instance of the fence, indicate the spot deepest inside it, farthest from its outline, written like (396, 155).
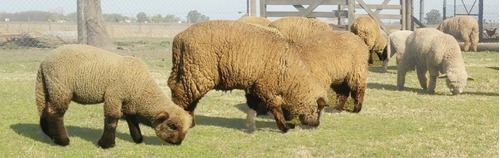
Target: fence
(52, 22)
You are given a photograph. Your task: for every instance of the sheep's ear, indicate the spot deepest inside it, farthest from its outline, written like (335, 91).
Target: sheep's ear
(321, 103)
(161, 118)
(470, 78)
(443, 76)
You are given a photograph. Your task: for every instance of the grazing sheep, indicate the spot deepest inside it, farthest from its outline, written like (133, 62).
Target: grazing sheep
(397, 42)
(226, 55)
(321, 53)
(297, 28)
(429, 49)
(89, 75)
(463, 28)
(255, 20)
(369, 31)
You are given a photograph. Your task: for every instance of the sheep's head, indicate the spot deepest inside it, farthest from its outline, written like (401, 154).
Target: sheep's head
(312, 118)
(456, 81)
(172, 126)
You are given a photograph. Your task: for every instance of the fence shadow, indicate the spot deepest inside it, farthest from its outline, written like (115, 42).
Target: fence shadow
(34, 132)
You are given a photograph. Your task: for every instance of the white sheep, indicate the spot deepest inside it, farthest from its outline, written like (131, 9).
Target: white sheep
(89, 75)
(429, 49)
(397, 42)
(463, 28)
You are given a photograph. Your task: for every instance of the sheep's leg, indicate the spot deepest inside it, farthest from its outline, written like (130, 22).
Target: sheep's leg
(433, 74)
(53, 117)
(278, 116)
(135, 131)
(342, 95)
(421, 70)
(112, 112)
(253, 103)
(407, 64)
(358, 95)
(467, 41)
(370, 59)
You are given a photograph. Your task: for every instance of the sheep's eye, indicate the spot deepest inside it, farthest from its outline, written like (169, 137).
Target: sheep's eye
(172, 126)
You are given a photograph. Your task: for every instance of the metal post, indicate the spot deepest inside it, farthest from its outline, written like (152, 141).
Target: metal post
(403, 13)
(409, 14)
(421, 18)
(444, 9)
(480, 18)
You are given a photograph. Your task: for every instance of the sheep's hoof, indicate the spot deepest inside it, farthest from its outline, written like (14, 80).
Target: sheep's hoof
(61, 142)
(105, 144)
(291, 125)
(138, 140)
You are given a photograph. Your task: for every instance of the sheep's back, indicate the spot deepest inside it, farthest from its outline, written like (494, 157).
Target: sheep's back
(298, 28)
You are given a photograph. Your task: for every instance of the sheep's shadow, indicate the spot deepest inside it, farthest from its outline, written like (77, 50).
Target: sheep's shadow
(34, 132)
(235, 123)
(395, 88)
(378, 69)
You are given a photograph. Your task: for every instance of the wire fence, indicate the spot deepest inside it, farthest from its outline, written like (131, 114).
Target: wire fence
(51, 23)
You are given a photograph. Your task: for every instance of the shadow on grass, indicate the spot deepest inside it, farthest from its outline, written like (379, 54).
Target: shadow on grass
(234, 123)
(395, 88)
(378, 69)
(494, 68)
(34, 132)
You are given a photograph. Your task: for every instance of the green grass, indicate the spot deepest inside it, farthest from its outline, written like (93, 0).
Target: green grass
(393, 123)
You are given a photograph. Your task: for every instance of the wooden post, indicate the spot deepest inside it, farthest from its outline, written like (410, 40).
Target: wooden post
(351, 13)
(421, 18)
(263, 8)
(409, 14)
(444, 9)
(403, 14)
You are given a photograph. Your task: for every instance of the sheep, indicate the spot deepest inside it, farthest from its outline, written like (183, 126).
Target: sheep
(369, 31)
(321, 53)
(89, 75)
(255, 20)
(429, 49)
(397, 42)
(297, 28)
(463, 28)
(227, 55)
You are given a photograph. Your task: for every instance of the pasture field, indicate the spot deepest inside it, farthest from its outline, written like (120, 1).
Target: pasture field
(392, 123)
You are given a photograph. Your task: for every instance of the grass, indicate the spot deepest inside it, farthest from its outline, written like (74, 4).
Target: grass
(393, 123)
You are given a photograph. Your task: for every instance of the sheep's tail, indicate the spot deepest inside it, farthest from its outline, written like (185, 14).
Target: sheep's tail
(41, 93)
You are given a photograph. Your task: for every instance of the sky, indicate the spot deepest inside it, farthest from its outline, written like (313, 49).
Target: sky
(215, 9)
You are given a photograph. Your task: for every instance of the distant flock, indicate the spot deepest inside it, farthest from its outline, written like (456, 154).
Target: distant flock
(285, 67)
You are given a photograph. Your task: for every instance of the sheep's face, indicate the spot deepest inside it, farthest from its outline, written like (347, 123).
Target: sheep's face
(312, 119)
(456, 82)
(172, 126)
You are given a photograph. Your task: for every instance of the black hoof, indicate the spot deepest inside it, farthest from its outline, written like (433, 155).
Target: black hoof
(61, 142)
(106, 144)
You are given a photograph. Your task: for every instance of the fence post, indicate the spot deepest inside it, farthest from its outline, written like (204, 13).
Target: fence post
(480, 18)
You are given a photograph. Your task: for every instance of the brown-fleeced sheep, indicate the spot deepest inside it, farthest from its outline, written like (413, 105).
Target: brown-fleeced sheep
(338, 60)
(296, 28)
(463, 28)
(429, 49)
(226, 55)
(89, 75)
(255, 20)
(369, 31)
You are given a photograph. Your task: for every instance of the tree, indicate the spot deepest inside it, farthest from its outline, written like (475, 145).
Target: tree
(171, 18)
(194, 16)
(157, 18)
(433, 17)
(142, 17)
(91, 21)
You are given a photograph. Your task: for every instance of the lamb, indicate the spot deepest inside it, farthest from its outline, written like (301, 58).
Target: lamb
(297, 28)
(255, 20)
(463, 28)
(397, 42)
(226, 55)
(369, 31)
(89, 75)
(429, 49)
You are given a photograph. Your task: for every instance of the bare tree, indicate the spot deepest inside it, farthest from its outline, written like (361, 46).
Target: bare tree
(93, 22)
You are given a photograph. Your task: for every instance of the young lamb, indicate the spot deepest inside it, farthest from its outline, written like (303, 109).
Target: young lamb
(369, 31)
(429, 49)
(89, 75)
(226, 55)
(255, 20)
(397, 42)
(296, 28)
(463, 28)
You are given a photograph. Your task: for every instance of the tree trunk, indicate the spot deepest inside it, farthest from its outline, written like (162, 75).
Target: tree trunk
(97, 35)
(80, 4)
